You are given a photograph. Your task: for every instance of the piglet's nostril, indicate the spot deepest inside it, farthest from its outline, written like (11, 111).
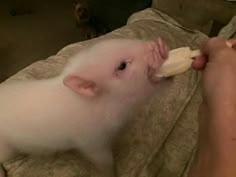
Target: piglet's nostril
(151, 45)
(158, 53)
(163, 48)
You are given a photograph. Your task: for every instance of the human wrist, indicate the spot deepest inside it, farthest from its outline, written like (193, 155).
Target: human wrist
(217, 129)
(223, 112)
(210, 164)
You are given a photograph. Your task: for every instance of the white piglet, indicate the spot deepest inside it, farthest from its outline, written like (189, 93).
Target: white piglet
(85, 106)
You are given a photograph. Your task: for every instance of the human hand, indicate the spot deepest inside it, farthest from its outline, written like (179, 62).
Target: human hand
(216, 155)
(219, 74)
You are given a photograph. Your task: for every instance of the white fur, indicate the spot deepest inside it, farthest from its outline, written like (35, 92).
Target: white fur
(46, 116)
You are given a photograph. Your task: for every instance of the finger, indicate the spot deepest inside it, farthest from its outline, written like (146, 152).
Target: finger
(213, 46)
(199, 63)
(233, 42)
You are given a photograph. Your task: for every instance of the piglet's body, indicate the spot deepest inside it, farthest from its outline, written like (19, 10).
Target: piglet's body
(85, 106)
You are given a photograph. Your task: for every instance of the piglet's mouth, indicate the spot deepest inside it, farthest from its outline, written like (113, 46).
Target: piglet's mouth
(159, 53)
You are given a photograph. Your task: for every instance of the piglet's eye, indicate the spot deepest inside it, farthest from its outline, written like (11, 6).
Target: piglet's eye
(122, 66)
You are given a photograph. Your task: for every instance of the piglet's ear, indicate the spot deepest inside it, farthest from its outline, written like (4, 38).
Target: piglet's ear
(81, 86)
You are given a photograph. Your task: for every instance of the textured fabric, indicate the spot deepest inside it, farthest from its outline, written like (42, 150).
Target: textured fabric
(229, 31)
(201, 14)
(161, 138)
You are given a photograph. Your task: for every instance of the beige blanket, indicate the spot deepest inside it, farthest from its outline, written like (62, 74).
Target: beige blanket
(161, 139)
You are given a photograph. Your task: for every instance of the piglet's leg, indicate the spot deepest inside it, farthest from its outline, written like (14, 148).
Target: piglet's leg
(6, 153)
(101, 156)
(2, 171)
(104, 162)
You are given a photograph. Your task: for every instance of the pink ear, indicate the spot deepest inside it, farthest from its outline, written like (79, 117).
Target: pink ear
(80, 86)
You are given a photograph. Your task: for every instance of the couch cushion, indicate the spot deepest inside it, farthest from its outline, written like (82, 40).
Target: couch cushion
(202, 14)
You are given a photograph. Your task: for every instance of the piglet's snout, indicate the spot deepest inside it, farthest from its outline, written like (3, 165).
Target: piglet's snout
(158, 54)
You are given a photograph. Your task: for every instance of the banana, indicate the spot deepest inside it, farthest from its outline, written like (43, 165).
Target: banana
(180, 61)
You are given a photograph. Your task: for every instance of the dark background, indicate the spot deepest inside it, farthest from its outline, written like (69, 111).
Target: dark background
(32, 30)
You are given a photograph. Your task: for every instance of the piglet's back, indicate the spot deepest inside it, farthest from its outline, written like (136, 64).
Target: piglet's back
(13, 97)
(26, 116)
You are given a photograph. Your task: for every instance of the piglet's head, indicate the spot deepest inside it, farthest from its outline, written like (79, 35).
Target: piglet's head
(117, 68)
